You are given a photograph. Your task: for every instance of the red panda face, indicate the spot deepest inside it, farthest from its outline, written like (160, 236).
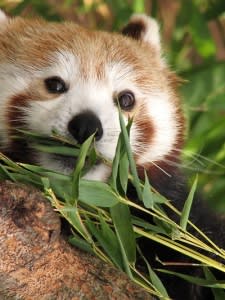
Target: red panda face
(63, 77)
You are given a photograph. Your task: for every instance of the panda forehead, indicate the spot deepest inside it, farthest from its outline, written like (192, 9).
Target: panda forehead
(63, 64)
(71, 68)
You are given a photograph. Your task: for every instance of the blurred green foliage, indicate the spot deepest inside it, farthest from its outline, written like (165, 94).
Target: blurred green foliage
(191, 52)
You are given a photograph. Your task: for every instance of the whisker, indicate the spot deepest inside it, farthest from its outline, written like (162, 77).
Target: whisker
(27, 108)
(195, 169)
(161, 169)
(198, 157)
(210, 160)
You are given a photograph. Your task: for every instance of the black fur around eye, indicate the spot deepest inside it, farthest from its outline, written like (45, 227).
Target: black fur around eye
(55, 85)
(126, 100)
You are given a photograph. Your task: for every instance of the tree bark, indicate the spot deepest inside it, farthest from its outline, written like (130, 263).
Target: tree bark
(37, 263)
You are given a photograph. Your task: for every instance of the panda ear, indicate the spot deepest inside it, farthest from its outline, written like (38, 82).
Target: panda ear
(144, 28)
(3, 18)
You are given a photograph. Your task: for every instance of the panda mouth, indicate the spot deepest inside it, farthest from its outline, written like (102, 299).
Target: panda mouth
(68, 163)
(59, 153)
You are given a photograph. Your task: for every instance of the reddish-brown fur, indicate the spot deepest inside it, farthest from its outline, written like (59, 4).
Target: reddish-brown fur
(30, 44)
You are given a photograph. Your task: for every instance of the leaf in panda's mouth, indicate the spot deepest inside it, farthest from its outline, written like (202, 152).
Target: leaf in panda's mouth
(62, 149)
(69, 162)
(59, 144)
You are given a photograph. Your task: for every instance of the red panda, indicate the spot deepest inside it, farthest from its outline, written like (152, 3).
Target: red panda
(67, 78)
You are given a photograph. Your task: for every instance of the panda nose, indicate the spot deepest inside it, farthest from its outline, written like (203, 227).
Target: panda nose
(84, 125)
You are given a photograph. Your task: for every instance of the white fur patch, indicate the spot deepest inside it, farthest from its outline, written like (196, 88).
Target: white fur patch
(100, 172)
(162, 114)
(84, 94)
(63, 64)
(3, 17)
(47, 115)
(96, 95)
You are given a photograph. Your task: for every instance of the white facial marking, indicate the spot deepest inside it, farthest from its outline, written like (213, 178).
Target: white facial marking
(96, 95)
(83, 94)
(47, 115)
(100, 172)
(162, 114)
(3, 18)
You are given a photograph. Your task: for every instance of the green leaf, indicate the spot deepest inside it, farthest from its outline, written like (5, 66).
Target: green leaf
(35, 169)
(196, 280)
(122, 221)
(157, 283)
(147, 194)
(200, 33)
(46, 183)
(111, 243)
(148, 226)
(62, 150)
(120, 165)
(214, 9)
(115, 165)
(27, 180)
(136, 181)
(62, 188)
(150, 199)
(124, 171)
(75, 240)
(218, 294)
(71, 214)
(107, 239)
(80, 165)
(187, 206)
(97, 193)
(202, 82)
(5, 174)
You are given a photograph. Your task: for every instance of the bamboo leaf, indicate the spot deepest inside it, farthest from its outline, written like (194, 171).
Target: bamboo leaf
(71, 214)
(148, 226)
(5, 174)
(218, 293)
(61, 150)
(133, 168)
(157, 283)
(196, 280)
(122, 221)
(80, 243)
(147, 194)
(108, 242)
(97, 193)
(187, 206)
(124, 171)
(80, 165)
(62, 188)
(188, 251)
(115, 165)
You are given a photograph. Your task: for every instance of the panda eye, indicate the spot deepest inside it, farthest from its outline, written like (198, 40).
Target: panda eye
(55, 85)
(126, 100)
